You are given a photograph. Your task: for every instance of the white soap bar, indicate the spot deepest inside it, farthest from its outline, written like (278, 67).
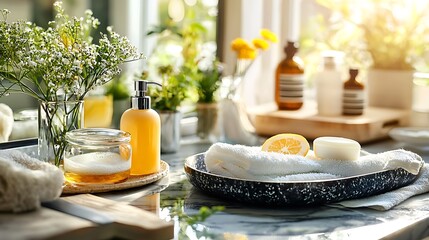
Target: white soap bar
(337, 148)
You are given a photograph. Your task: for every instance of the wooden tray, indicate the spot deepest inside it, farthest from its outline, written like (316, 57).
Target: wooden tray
(109, 220)
(374, 124)
(133, 181)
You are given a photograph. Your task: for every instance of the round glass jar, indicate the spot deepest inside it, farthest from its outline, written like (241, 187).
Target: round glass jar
(97, 156)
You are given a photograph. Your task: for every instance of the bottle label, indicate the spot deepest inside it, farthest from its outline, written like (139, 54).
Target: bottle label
(353, 101)
(291, 87)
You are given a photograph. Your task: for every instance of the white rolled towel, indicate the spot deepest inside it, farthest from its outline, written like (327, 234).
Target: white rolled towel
(253, 164)
(25, 182)
(6, 122)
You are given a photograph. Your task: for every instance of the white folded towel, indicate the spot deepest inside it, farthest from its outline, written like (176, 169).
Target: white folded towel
(25, 182)
(390, 199)
(6, 122)
(253, 164)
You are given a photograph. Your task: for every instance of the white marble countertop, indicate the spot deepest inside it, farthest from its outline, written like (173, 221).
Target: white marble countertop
(409, 220)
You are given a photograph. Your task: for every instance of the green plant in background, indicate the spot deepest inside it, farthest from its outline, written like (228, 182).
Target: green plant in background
(193, 53)
(383, 34)
(56, 65)
(187, 36)
(203, 213)
(190, 39)
(208, 82)
(192, 221)
(118, 88)
(173, 92)
(199, 65)
(60, 62)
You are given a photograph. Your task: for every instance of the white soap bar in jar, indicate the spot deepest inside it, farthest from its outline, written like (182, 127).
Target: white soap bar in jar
(336, 148)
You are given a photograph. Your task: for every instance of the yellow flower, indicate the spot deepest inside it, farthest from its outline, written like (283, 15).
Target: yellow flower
(268, 35)
(239, 43)
(260, 43)
(246, 53)
(66, 39)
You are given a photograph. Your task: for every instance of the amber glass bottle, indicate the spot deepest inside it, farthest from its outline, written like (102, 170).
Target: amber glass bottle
(353, 95)
(289, 88)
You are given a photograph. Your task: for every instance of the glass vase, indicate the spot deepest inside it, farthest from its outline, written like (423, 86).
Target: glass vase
(207, 114)
(55, 120)
(235, 125)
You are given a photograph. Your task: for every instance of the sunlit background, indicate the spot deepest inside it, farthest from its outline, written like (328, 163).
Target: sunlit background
(322, 25)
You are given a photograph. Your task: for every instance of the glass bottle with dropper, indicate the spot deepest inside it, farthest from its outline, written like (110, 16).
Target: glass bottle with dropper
(289, 80)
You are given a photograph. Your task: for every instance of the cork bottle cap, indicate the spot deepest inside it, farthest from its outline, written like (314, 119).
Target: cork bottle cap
(353, 73)
(291, 49)
(352, 83)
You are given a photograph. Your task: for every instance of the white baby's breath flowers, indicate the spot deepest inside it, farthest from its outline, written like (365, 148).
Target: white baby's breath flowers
(61, 58)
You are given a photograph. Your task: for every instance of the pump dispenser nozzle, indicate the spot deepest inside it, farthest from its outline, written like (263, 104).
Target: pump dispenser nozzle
(140, 100)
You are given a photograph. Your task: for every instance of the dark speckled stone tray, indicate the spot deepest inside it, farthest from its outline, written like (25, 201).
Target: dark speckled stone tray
(281, 194)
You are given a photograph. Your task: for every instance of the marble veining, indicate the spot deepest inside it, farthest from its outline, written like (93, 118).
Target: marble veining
(318, 222)
(409, 220)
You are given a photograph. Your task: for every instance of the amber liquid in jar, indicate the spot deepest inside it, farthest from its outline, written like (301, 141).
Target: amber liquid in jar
(289, 82)
(102, 178)
(97, 156)
(96, 167)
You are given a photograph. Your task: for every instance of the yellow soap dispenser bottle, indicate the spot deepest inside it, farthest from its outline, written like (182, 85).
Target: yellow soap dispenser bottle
(144, 125)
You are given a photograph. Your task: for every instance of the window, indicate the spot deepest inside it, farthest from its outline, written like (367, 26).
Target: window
(245, 18)
(131, 18)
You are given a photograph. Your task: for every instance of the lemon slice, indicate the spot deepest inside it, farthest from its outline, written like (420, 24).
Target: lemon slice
(287, 143)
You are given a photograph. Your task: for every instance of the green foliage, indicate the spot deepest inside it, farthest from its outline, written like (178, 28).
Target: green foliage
(207, 83)
(173, 92)
(192, 220)
(190, 35)
(384, 33)
(169, 26)
(203, 213)
(118, 88)
(192, 40)
(60, 62)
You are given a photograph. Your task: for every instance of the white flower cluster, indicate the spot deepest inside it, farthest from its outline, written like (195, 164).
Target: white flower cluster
(60, 59)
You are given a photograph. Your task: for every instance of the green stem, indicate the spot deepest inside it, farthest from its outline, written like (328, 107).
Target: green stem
(69, 119)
